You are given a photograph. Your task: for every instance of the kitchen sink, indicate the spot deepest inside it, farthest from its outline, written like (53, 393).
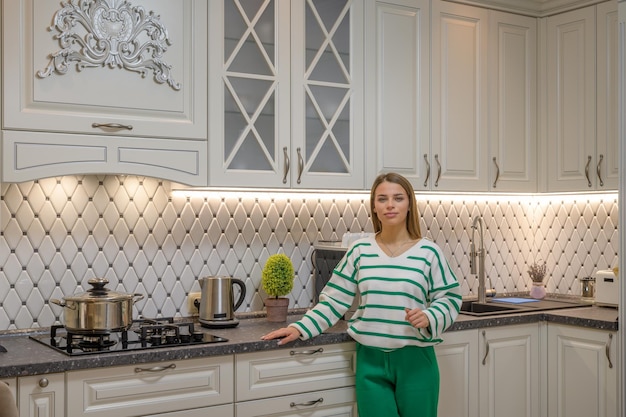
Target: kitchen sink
(474, 308)
(512, 305)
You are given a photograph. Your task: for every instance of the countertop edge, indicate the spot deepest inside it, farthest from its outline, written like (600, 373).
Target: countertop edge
(27, 357)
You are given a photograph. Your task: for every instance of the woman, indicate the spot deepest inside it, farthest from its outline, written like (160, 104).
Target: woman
(409, 296)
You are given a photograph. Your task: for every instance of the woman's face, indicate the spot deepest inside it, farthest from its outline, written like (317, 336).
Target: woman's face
(391, 204)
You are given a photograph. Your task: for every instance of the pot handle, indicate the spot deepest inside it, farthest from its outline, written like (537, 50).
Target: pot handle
(139, 297)
(242, 292)
(63, 304)
(57, 302)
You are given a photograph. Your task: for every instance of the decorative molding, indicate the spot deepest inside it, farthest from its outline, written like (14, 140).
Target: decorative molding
(534, 8)
(115, 33)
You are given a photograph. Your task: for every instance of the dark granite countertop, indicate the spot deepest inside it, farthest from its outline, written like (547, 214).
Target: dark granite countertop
(25, 356)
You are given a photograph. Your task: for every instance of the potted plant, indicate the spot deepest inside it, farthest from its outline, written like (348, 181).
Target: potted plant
(277, 281)
(537, 272)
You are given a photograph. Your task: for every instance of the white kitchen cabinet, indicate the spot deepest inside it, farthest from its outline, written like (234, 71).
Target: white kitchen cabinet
(581, 123)
(332, 402)
(483, 96)
(286, 94)
(42, 395)
(509, 371)
(458, 371)
(490, 372)
(582, 372)
(293, 371)
(125, 96)
(397, 89)
(297, 381)
(512, 103)
(459, 150)
(178, 388)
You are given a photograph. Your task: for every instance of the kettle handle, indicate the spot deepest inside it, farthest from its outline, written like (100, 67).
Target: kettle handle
(242, 292)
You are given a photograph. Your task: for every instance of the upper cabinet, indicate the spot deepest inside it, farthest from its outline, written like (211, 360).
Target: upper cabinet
(458, 158)
(470, 76)
(104, 87)
(397, 89)
(581, 84)
(512, 103)
(286, 104)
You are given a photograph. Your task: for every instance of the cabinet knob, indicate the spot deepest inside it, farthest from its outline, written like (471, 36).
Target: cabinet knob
(43, 382)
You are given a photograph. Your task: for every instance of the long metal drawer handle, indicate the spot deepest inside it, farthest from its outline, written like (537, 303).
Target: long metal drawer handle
(497, 172)
(599, 170)
(427, 170)
(307, 404)
(300, 165)
(587, 171)
(112, 126)
(486, 348)
(438, 170)
(155, 368)
(306, 352)
(608, 350)
(286, 170)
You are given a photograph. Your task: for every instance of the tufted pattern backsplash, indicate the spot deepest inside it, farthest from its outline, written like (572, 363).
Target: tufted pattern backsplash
(57, 233)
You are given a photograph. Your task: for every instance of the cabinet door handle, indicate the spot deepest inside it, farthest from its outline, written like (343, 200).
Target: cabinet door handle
(599, 171)
(438, 170)
(587, 171)
(306, 404)
(43, 382)
(112, 126)
(486, 348)
(306, 352)
(608, 350)
(300, 165)
(155, 368)
(286, 169)
(497, 172)
(427, 170)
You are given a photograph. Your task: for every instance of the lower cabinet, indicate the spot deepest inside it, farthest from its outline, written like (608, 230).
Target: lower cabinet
(582, 372)
(41, 395)
(324, 403)
(490, 372)
(316, 380)
(458, 369)
(178, 388)
(509, 371)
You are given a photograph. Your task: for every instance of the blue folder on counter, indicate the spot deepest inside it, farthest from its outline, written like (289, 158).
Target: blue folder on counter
(514, 300)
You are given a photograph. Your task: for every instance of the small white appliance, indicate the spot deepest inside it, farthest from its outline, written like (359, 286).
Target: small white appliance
(607, 288)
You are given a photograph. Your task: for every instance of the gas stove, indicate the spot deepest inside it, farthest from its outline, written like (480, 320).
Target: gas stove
(143, 334)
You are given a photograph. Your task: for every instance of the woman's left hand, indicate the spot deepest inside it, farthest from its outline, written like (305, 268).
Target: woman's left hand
(417, 318)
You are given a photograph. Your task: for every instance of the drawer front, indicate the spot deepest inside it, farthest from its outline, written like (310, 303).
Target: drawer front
(226, 410)
(294, 370)
(336, 402)
(154, 388)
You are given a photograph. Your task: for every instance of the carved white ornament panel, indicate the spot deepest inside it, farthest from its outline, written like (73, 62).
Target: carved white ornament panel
(97, 33)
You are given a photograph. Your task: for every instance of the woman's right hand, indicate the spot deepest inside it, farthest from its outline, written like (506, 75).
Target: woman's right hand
(286, 335)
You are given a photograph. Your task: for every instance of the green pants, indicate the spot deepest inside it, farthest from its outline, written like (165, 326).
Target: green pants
(400, 383)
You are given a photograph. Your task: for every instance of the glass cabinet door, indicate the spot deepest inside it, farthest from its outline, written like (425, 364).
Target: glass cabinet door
(327, 85)
(288, 97)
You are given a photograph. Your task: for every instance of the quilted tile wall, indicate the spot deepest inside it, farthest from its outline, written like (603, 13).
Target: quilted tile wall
(57, 233)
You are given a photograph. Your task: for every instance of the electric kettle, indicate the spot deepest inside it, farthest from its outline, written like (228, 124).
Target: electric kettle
(217, 301)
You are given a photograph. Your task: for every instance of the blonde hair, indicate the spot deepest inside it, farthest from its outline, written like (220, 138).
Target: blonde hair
(412, 218)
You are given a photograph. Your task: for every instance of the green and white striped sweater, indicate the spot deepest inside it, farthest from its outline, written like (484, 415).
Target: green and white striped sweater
(420, 277)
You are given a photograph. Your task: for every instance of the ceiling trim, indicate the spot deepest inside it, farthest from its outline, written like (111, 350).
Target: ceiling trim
(535, 8)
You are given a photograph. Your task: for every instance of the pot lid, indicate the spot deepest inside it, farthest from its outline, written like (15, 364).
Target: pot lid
(98, 292)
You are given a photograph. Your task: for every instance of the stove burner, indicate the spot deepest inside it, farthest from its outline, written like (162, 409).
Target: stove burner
(143, 334)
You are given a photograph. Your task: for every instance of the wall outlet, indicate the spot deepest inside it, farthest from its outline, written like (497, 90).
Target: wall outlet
(191, 307)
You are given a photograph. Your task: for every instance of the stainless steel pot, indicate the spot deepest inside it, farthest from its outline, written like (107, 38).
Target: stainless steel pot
(98, 311)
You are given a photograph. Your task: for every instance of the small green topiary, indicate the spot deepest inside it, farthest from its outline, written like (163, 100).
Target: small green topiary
(277, 275)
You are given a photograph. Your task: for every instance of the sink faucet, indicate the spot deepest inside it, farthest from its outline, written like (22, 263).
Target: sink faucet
(482, 291)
